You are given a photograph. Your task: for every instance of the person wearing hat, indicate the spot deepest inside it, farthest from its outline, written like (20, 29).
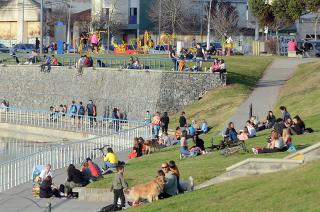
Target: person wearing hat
(110, 159)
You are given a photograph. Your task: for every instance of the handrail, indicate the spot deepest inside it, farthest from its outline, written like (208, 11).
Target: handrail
(18, 171)
(63, 121)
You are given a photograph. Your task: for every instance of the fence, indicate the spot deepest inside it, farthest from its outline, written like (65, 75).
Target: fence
(64, 121)
(18, 171)
(108, 62)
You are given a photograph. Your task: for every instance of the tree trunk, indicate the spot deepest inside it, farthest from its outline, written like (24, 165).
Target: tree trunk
(316, 26)
(108, 42)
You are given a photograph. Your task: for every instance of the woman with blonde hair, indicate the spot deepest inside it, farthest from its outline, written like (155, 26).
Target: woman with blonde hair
(286, 136)
(276, 145)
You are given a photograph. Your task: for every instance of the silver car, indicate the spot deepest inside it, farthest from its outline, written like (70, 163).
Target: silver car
(25, 48)
(4, 49)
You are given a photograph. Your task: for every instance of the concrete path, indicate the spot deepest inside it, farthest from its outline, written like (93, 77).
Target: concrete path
(265, 95)
(20, 198)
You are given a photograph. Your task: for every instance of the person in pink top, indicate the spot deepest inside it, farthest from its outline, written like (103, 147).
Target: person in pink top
(94, 42)
(292, 45)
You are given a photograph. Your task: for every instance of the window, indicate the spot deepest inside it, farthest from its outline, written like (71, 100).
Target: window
(133, 11)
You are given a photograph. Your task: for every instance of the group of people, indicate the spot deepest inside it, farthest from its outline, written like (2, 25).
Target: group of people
(4, 105)
(133, 63)
(75, 110)
(281, 131)
(158, 121)
(84, 61)
(47, 62)
(191, 132)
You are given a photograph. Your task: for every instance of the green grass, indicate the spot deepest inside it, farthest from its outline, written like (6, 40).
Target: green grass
(294, 190)
(216, 107)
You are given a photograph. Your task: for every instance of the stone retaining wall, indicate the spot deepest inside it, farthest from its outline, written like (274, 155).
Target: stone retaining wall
(133, 91)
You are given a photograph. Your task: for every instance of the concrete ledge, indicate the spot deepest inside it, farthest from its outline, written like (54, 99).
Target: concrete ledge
(304, 151)
(308, 154)
(263, 160)
(94, 194)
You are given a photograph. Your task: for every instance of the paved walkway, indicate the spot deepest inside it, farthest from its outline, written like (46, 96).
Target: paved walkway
(21, 199)
(265, 95)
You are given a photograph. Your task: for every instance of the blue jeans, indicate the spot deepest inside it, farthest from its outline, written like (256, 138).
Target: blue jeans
(110, 165)
(184, 151)
(156, 129)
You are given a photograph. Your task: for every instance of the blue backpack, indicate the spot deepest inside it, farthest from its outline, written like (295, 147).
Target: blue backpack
(81, 110)
(73, 109)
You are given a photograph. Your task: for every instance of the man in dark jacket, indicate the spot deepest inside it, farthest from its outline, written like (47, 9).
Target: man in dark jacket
(164, 122)
(182, 122)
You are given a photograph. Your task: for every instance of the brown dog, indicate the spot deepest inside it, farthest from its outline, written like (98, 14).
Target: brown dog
(151, 143)
(149, 191)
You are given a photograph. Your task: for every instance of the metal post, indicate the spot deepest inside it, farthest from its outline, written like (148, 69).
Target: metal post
(250, 111)
(159, 30)
(49, 207)
(68, 36)
(22, 21)
(208, 33)
(41, 28)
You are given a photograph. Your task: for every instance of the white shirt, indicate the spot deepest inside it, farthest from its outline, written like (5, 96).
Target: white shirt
(252, 131)
(43, 174)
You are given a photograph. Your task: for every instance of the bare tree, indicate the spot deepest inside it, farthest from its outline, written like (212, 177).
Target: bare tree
(175, 15)
(224, 19)
(59, 13)
(108, 19)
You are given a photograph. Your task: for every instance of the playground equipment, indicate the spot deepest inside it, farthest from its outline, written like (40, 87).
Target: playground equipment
(85, 42)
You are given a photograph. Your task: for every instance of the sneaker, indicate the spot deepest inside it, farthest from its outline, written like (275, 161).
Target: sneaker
(255, 151)
(191, 181)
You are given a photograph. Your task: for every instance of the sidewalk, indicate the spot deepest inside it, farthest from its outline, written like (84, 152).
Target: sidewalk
(20, 198)
(265, 95)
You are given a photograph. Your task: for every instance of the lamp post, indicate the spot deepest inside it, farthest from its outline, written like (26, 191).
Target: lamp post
(159, 30)
(208, 33)
(68, 35)
(41, 28)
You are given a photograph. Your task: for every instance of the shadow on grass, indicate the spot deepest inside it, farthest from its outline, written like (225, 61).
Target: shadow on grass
(302, 146)
(243, 79)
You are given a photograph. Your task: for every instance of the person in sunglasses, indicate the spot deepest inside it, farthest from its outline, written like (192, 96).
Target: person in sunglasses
(171, 186)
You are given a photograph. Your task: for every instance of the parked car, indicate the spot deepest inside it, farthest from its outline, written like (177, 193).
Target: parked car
(163, 47)
(24, 47)
(4, 49)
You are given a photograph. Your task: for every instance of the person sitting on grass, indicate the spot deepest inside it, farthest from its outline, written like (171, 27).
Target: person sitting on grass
(243, 134)
(130, 63)
(276, 145)
(279, 126)
(285, 113)
(136, 150)
(204, 127)
(174, 169)
(230, 133)
(199, 142)
(171, 186)
(251, 130)
(270, 120)
(178, 134)
(119, 185)
(94, 169)
(298, 127)
(286, 137)
(136, 63)
(110, 159)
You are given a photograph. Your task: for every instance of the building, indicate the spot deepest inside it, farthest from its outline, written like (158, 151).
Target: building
(20, 19)
(19, 23)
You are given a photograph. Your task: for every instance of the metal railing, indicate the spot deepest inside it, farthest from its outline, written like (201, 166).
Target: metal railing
(18, 171)
(65, 121)
(154, 63)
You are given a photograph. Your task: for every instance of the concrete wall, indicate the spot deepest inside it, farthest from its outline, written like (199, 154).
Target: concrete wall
(132, 91)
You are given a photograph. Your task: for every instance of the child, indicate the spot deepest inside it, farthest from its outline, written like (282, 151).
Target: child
(118, 185)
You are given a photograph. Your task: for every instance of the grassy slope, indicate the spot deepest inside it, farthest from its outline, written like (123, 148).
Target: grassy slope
(216, 107)
(293, 190)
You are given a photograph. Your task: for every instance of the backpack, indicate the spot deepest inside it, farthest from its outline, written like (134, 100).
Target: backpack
(81, 110)
(73, 109)
(90, 109)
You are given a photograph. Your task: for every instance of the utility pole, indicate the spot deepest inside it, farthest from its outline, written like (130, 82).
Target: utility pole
(208, 34)
(22, 26)
(68, 35)
(41, 28)
(159, 24)
(201, 17)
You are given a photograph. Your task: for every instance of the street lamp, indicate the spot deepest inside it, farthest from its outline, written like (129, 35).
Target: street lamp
(208, 33)
(68, 36)
(41, 28)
